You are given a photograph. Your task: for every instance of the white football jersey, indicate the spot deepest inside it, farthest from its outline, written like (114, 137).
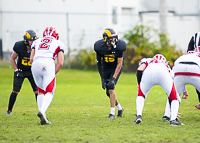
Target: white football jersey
(47, 47)
(145, 60)
(191, 57)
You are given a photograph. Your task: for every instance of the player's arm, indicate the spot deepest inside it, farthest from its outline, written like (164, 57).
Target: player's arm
(139, 73)
(60, 59)
(32, 55)
(12, 60)
(191, 45)
(99, 65)
(118, 68)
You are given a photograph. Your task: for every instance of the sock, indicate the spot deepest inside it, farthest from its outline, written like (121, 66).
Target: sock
(167, 109)
(174, 109)
(112, 110)
(46, 102)
(40, 100)
(12, 100)
(119, 107)
(36, 96)
(139, 104)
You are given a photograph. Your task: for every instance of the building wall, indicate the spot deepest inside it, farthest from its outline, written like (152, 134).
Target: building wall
(79, 22)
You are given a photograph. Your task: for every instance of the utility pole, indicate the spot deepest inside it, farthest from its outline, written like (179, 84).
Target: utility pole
(163, 16)
(68, 45)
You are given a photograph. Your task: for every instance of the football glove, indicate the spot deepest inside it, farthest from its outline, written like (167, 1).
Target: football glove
(18, 73)
(103, 82)
(111, 83)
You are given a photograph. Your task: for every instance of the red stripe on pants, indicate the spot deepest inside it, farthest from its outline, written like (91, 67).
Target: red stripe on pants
(50, 86)
(140, 92)
(172, 95)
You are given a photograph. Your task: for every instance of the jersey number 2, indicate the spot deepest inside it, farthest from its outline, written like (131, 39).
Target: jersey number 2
(45, 44)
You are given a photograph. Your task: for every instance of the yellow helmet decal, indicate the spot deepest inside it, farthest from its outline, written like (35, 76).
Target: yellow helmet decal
(108, 33)
(28, 35)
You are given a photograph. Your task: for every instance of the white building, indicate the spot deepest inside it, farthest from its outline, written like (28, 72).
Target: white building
(81, 22)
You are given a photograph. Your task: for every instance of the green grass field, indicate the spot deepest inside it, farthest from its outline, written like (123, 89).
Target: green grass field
(79, 111)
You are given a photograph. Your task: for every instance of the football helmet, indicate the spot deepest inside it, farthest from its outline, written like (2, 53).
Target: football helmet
(109, 33)
(29, 35)
(51, 32)
(159, 58)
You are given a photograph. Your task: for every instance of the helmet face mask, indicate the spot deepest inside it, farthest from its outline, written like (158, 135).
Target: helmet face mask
(29, 35)
(51, 32)
(108, 36)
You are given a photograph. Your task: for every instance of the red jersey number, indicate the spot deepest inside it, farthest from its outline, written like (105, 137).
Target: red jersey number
(45, 44)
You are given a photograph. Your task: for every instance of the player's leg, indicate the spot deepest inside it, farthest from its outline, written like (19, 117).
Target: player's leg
(33, 85)
(113, 99)
(48, 96)
(36, 69)
(17, 84)
(179, 82)
(168, 85)
(195, 80)
(49, 86)
(117, 104)
(143, 88)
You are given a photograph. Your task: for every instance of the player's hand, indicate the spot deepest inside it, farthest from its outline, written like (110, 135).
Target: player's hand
(111, 83)
(185, 95)
(18, 73)
(103, 82)
(197, 106)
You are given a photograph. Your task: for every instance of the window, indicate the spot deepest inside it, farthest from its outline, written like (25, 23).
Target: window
(114, 15)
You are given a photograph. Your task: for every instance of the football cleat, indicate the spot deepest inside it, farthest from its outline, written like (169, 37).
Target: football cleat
(120, 112)
(138, 119)
(111, 116)
(175, 123)
(43, 119)
(9, 113)
(165, 118)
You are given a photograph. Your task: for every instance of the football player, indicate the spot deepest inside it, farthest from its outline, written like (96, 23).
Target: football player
(109, 55)
(186, 71)
(43, 54)
(22, 69)
(194, 43)
(156, 72)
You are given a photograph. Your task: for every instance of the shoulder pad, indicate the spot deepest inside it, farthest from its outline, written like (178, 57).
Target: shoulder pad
(98, 44)
(121, 45)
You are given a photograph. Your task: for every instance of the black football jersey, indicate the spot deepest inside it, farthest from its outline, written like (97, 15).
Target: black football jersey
(23, 61)
(110, 57)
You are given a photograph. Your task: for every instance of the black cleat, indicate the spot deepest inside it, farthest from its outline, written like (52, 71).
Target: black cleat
(165, 118)
(175, 123)
(120, 112)
(138, 119)
(43, 119)
(9, 113)
(111, 116)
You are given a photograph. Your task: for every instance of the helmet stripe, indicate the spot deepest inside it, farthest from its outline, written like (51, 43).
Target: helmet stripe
(28, 35)
(108, 33)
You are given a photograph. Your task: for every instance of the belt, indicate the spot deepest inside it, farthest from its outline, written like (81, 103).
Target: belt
(189, 63)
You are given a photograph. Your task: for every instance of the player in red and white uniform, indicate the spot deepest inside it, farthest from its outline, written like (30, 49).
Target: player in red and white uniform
(44, 52)
(156, 72)
(187, 71)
